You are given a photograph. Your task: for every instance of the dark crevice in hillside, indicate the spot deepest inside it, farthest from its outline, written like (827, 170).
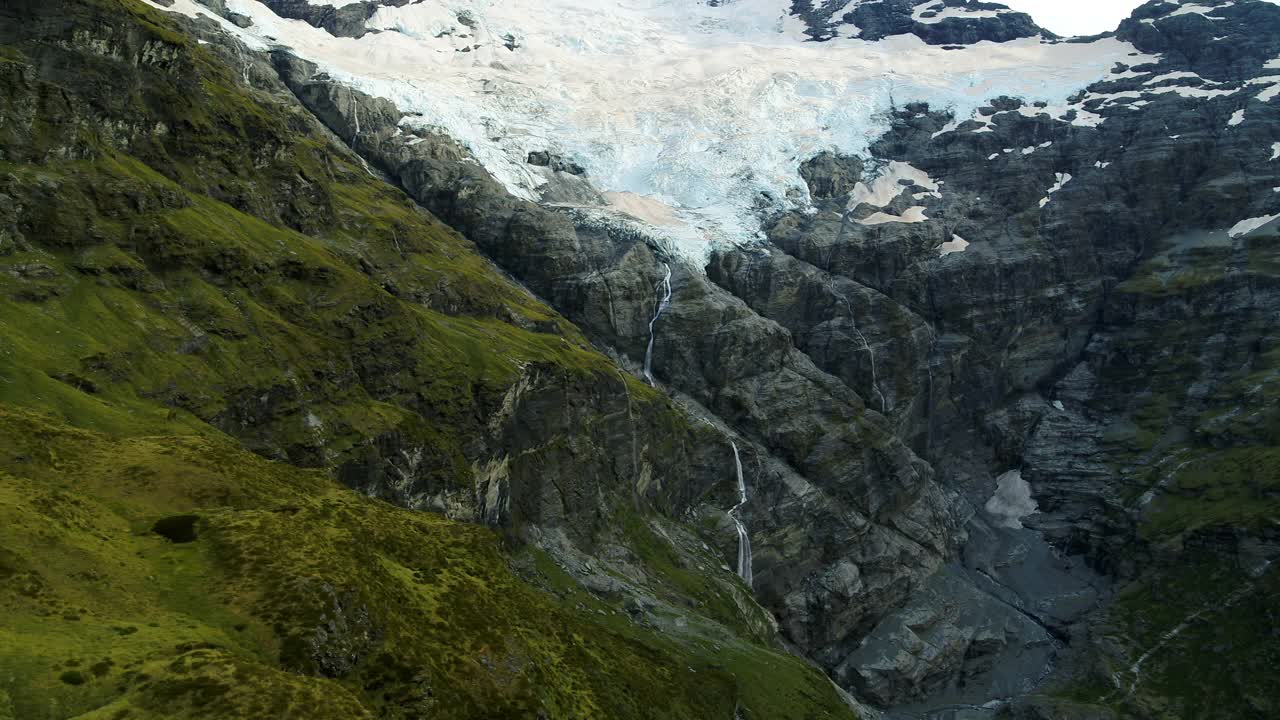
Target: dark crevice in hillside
(177, 529)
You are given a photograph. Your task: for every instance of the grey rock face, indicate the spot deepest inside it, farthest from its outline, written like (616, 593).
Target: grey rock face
(941, 23)
(1096, 319)
(948, 624)
(220, 7)
(345, 634)
(1228, 43)
(1064, 300)
(339, 20)
(545, 159)
(712, 347)
(872, 344)
(830, 176)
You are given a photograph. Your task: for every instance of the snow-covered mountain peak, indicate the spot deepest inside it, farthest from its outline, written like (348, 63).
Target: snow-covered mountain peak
(705, 110)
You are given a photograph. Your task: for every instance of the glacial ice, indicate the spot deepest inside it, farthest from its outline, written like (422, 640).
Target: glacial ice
(708, 111)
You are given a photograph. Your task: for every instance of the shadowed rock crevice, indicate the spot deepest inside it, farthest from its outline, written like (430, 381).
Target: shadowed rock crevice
(177, 529)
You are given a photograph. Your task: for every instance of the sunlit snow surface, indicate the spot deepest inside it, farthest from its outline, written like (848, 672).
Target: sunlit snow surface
(703, 109)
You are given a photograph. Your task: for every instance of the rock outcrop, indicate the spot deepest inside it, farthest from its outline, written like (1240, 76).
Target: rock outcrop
(882, 518)
(980, 336)
(944, 22)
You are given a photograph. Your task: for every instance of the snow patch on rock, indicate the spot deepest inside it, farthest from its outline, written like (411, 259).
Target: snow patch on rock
(1244, 227)
(1272, 89)
(956, 244)
(949, 12)
(1180, 75)
(1012, 500)
(888, 185)
(1062, 180)
(910, 215)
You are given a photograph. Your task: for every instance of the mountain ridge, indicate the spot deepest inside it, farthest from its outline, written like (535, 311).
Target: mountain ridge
(1067, 300)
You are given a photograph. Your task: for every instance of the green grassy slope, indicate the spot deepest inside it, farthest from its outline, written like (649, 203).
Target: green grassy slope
(207, 312)
(1202, 465)
(238, 256)
(1198, 614)
(291, 596)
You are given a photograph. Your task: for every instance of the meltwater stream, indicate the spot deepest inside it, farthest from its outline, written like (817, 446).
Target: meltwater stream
(663, 304)
(744, 542)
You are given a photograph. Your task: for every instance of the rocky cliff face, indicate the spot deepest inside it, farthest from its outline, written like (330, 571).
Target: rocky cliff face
(1003, 386)
(881, 522)
(954, 331)
(1077, 244)
(945, 22)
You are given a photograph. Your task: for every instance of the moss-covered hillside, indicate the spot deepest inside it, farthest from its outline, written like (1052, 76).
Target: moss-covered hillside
(213, 320)
(180, 576)
(1190, 633)
(180, 252)
(1188, 637)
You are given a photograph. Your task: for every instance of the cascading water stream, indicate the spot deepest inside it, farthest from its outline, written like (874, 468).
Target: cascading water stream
(663, 304)
(875, 382)
(744, 541)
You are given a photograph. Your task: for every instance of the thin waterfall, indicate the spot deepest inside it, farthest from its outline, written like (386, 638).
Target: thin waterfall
(744, 542)
(663, 304)
(928, 408)
(875, 382)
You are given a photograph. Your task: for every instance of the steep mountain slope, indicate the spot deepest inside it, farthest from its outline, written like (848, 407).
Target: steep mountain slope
(986, 317)
(275, 593)
(193, 268)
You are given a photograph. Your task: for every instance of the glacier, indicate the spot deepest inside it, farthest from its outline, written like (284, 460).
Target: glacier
(704, 112)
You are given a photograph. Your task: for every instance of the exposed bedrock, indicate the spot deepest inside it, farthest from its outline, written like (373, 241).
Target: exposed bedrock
(874, 345)
(945, 22)
(1036, 295)
(846, 520)
(1088, 329)
(338, 19)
